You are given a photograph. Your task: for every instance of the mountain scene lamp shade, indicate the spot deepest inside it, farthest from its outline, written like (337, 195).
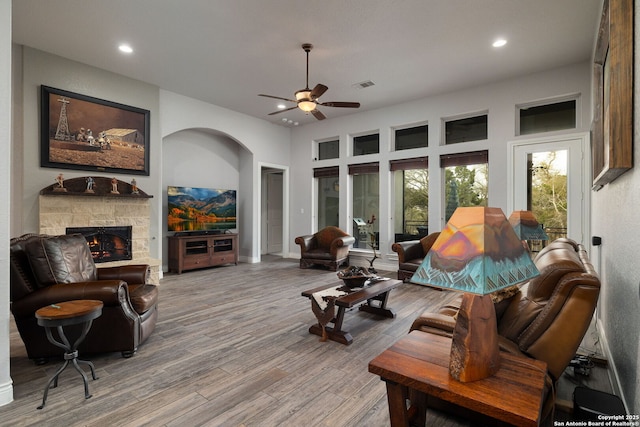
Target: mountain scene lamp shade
(478, 253)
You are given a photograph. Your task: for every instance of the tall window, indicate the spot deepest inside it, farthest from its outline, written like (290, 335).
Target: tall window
(466, 180)
(547, 195)
(366, 144)
(466, 129)
(411, 184)
(328, 196)
(414, 137)
(366, 198)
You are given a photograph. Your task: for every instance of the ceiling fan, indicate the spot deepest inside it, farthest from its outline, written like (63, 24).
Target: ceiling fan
(307, 99)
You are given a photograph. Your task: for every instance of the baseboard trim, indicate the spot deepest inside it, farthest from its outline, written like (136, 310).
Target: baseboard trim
(6, 393)
(614, 379)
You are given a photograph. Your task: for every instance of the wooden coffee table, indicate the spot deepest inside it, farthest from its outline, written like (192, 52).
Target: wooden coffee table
(63, 314)
(417, 366)
(373, 296)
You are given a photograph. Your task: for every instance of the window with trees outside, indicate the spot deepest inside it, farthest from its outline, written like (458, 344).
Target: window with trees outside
(366, 196)
(411, 205)
(328, 196)
(547, 192)
(466, 180)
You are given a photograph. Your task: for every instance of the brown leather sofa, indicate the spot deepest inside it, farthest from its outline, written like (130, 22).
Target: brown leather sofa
(328, 247)
(48, 269)
(411, 254)
(547, 318)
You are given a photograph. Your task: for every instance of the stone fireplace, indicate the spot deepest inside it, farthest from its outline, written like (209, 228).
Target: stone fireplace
(106, 243)
(61, 211)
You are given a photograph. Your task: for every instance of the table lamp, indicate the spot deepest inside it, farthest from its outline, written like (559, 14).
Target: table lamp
(478, 253)
(526, 226)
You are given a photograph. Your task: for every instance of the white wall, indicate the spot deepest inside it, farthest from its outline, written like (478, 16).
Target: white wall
(170, 113)
(197, 158)
(615, 218)
(6, 388)
(499, 100)
(40, 68)
(260, 142)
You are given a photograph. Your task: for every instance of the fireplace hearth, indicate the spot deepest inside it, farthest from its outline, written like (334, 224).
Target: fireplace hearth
(106, 243)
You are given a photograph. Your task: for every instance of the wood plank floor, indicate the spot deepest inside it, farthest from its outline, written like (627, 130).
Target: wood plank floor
(231, 348)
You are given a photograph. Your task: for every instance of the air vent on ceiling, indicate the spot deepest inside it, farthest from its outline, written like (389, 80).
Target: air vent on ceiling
(363, 84)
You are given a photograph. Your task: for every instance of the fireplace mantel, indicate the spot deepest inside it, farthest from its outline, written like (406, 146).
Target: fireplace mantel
(102, 187)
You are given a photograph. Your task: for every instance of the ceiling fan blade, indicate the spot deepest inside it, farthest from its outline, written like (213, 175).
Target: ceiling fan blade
(282, 111)
(341, 104)
(318, 114)
(278, 97)
(318, 91)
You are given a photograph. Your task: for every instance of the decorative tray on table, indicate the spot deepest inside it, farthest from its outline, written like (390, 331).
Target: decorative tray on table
(358, 277)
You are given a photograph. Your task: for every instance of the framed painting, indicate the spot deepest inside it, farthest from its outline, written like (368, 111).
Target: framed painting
(612, 126)
(91, 134)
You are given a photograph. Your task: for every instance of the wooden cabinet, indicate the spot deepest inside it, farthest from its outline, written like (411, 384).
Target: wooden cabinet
(200, 251)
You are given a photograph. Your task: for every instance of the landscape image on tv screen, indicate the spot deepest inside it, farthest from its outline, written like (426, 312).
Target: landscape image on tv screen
(200, 209)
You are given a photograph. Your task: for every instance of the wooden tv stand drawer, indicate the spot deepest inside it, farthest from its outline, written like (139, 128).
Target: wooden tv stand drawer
(224, 259)
(189, 252)
(192, 262)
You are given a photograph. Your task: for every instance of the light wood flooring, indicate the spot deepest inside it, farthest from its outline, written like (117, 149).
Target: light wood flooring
(231, 348)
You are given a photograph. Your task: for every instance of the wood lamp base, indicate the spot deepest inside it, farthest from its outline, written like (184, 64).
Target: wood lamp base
(475, 353)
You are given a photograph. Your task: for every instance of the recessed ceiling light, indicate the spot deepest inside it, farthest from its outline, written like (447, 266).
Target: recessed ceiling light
(125, 48)
(282, 106)
(499, 43)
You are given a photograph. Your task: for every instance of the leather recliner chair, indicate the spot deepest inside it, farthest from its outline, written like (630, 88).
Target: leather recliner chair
(411, 254)
(328, 247)
(45, 270)
(547, 318)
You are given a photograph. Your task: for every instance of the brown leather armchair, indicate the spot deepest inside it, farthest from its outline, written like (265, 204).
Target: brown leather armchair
(411, 254)
(548, 318)
(49, 269)
(328, 247)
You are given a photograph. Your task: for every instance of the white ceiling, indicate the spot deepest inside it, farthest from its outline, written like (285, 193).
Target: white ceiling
(226, 52)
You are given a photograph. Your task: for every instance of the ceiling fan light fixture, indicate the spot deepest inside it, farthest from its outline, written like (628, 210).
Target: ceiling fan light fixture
(303, 95)
(307, 99)
(307, 106)
(304, 100)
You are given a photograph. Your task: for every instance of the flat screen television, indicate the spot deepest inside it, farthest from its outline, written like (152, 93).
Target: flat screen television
(200, 209)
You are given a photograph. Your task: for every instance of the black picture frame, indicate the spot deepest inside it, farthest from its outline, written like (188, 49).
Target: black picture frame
(91, 134)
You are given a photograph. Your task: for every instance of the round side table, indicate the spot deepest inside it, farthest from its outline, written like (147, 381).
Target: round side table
(63, 314)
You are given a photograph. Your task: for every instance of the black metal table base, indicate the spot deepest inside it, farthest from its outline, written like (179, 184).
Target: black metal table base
(70, 356)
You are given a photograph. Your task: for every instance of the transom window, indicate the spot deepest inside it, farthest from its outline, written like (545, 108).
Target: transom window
(547, 117)
(413, 137)
(328, 149)
(466, 129)
(366, 144)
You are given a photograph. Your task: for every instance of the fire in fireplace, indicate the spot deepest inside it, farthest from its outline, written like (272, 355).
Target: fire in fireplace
(106, 243)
